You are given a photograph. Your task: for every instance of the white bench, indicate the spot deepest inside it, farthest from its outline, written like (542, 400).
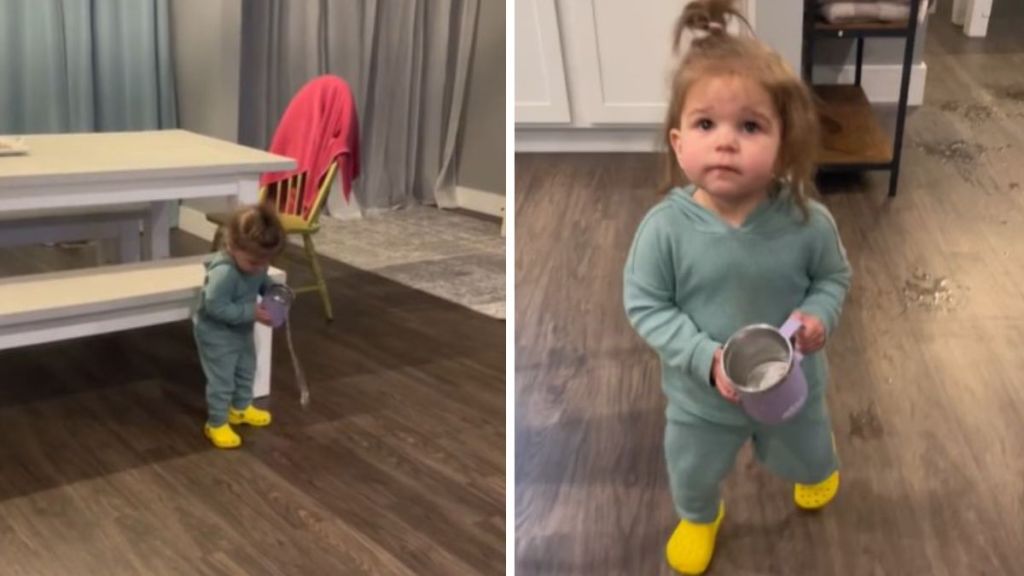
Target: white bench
(40, 308)
(119, 223)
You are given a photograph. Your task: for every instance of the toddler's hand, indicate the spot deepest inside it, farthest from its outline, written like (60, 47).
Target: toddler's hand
(811, 337)
(722, 382)
(262, 316)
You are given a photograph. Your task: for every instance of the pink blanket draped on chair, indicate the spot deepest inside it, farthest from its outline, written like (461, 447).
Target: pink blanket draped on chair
(319, 125)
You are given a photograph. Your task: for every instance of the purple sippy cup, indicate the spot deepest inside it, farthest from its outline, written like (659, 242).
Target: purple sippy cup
(276, 301)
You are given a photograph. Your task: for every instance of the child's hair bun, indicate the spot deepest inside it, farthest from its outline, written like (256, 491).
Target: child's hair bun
(707, 15)
(267, 213)
(705, 19)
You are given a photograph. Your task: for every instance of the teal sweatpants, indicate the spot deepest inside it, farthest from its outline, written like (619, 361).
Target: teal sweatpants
(228, 356)
(701, 453)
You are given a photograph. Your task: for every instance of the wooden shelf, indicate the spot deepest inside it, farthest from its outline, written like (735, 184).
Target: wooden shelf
(853, 139)
(851, 133)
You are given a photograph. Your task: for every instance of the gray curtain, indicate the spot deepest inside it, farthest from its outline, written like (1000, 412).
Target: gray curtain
(407, 62)
(85, 66)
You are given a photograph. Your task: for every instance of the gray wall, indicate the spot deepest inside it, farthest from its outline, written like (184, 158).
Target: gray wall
(779, 27)
(482, 151)
(207, 45)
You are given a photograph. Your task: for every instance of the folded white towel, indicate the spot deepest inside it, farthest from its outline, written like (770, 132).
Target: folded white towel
(862, 1)
(858, 11)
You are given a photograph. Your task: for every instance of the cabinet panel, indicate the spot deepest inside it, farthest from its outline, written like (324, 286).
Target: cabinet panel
(541, 95)
(624, 58)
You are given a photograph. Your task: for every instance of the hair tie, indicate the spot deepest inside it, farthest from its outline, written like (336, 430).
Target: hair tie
(709, 30)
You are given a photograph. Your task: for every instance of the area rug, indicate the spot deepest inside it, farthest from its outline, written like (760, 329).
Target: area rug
(452, 256)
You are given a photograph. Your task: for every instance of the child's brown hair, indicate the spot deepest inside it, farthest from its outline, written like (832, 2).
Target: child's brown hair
(715, 53)
(256, 230)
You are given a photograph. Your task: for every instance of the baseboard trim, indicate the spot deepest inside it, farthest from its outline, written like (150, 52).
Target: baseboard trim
(639, 139)
(338, 207)
(881, 84)
(481, 201)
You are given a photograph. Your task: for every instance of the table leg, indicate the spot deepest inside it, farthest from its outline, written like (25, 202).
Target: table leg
(128, 242)
(264, 336)
(248, 193)
(157, 245)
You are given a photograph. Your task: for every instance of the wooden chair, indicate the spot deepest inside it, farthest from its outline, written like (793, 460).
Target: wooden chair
(286, 195)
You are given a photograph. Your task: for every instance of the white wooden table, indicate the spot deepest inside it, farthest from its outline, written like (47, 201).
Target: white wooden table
(113, 169)
(158, 167)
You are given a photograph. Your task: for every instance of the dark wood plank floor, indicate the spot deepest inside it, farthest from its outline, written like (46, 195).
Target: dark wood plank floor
(927, 396)
(397, 466)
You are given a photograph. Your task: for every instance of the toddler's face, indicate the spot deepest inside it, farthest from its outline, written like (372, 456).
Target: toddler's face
(250, 263)
(727, 140)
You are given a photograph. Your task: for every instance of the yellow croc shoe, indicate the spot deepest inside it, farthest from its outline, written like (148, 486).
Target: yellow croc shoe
(691, 546)
(252, 416)
(222, 436)
(816, 496)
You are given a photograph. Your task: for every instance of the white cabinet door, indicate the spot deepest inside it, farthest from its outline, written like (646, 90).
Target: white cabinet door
(623, 57)
(541, 96)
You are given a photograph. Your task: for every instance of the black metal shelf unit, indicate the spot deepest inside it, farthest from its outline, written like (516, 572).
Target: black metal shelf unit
(853, 139)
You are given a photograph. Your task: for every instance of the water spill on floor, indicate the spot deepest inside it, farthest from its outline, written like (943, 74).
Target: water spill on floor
(922, 290)
(866, 424)
(972, 112)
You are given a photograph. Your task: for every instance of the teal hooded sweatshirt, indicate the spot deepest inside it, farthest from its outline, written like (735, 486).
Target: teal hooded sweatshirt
(692, 280)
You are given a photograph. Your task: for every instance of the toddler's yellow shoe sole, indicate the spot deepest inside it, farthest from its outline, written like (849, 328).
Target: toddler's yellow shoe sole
(692, 545)
(816, 496)
(222, 436)
(252, 416)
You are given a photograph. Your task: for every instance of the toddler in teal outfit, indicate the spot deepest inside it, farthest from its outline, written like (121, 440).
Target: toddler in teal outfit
(736, 241)
(226, 316)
